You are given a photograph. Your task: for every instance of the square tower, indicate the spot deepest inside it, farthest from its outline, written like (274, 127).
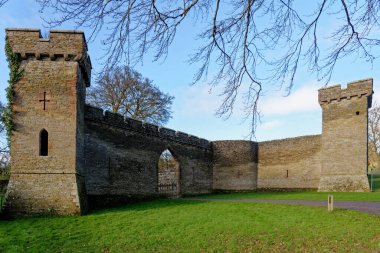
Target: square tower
(345, 136)
(48, 115)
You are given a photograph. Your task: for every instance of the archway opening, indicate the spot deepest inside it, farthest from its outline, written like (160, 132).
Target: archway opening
(44, 142)
(168, 173)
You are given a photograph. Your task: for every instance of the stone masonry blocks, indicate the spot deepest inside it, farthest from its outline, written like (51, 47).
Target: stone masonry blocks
(100, 155)
(53, 182)
(344, 136)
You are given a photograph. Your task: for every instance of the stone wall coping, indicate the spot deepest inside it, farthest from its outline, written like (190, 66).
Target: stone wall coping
(96, 114)
(369, 79)
(271, 141)
(357, 88)
(39, 30)
(291, 139)
(67, 31)
(23, 29)
(331, 87)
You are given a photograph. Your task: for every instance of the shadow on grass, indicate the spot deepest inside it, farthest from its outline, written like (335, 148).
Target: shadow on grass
(144, 206)
(296, 195)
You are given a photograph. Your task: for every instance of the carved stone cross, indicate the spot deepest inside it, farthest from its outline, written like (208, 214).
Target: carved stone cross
(44, 100)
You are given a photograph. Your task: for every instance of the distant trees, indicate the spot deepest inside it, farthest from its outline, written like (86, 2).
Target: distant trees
(166, 161)
(374, 136)
(124, 91)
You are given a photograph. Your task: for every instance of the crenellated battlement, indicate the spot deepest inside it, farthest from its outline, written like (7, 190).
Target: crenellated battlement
(116, 120)
(61, 45)
(354, 89)
(67, 156)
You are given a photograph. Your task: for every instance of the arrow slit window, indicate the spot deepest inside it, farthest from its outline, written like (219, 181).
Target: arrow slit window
(44, 141)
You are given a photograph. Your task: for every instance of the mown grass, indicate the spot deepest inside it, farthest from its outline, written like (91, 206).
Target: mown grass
(311, 195)
(186, 226)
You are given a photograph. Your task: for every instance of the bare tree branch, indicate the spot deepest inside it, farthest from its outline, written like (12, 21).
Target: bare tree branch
(2, 2)
(254, 43)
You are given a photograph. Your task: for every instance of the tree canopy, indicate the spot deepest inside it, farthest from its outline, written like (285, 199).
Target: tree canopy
(123, 90)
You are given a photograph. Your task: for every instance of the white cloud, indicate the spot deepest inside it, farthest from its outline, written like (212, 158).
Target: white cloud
(300, 100)
(271, 124)
(197, 99)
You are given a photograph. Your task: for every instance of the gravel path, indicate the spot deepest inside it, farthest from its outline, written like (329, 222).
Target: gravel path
(367, 207)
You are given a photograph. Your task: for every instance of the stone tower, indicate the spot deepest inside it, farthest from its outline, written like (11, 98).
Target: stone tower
(345, 136)
(48, 114)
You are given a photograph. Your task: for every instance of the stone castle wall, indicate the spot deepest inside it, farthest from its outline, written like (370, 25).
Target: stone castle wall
(102, 155)
(235, 165)
(121, 157)
(56, 181)
(345, 136)
(290, 163)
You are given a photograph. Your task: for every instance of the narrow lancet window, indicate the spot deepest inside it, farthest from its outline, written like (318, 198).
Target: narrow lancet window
(44, 141)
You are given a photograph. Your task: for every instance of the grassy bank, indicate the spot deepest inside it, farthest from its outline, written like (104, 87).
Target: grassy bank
(185, 226)
(312, 195)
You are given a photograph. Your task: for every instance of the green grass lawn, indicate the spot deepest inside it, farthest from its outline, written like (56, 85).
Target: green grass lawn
(186, 226)
(312, 195)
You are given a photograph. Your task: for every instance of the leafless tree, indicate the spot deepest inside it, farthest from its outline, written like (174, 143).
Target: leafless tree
(253, 42)
(125, 91)
(4, 145)
(2, 2)
(166, 161)
(374, 136)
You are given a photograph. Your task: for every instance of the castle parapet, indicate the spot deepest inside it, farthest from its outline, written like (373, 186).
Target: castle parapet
(116, 120)
(59, 46)
(354, 89)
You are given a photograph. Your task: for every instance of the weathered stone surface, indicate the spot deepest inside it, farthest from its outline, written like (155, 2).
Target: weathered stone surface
(121, 161)
(43, 193)
(290, 163)
(60, 46)
(235, 165)
(354, 89)
(42, 182)
(344, 183)
(107, 158)
(344, 137)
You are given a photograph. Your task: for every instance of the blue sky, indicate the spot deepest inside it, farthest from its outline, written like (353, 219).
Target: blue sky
(194, 106)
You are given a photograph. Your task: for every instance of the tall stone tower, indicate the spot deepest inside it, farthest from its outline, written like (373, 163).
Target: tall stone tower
(345, 136)
(48, 114)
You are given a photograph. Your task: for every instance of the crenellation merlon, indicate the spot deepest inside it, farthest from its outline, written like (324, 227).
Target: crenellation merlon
(62, 45)
(116, 120)
(150, 129)
(354, 89)
(167, 132)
